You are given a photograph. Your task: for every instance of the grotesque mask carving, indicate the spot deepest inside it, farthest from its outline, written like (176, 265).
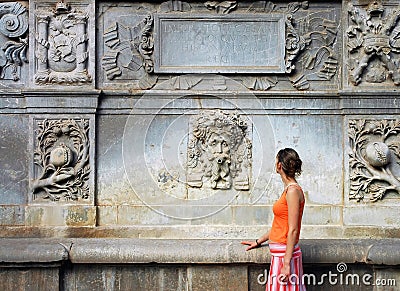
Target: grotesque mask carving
(219, 151)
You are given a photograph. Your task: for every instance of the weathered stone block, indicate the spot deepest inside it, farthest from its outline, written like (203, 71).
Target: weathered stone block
(215, 278)
(252, 215)
(30, 278)
(385, 279)
(12, 215)
(113, 278)
(113, 187)
(71, 215)
(318, 139)
(13, 159)
(107, 215)
(371, 215)
(322, 215)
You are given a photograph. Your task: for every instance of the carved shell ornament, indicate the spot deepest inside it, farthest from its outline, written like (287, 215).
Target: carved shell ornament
(374, 158)
(62, 158)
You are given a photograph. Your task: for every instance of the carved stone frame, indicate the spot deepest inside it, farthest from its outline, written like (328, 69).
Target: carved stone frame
(41, 13)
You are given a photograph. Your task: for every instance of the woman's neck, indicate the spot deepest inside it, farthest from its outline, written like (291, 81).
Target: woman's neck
(287, 180)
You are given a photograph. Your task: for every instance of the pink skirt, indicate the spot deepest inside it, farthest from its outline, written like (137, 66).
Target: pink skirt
(295, 280)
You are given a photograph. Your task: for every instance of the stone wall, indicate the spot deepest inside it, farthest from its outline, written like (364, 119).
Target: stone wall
(155, 264)
(162, 119)
(111, 128)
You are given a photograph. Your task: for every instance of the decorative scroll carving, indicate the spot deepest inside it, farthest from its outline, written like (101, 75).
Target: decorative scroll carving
(130, 48)
(13, 25)
(221, 7)
(310, 55)
(373, 43)
(62, 155)
(307, 41)
(220, 150)
(374, 150)
(62, 47)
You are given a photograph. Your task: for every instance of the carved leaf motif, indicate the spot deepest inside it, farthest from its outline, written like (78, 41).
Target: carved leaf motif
(62, 180)
(368, 177)
(395, 147)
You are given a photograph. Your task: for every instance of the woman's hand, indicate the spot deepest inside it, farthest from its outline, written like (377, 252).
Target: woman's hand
(285, 274)
(250, 244)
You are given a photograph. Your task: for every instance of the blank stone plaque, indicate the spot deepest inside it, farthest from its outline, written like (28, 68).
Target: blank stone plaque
(211, 44)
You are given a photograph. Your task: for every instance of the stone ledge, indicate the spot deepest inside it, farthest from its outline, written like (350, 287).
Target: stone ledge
(33, 251)
(190, 251)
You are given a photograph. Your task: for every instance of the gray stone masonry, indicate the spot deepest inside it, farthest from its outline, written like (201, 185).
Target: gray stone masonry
(122, 264)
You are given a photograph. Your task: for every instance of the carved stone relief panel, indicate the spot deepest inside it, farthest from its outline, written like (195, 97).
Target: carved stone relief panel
(219, 151)
(130, 34)
(372, 41)
(62, 167)
(13, 40)
(126, 45)
(374, 159)
(61, 44)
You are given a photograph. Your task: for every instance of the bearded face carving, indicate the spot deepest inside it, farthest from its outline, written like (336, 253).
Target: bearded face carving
(219, 151)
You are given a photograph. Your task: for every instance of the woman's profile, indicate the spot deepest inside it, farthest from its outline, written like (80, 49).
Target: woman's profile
(286, 269)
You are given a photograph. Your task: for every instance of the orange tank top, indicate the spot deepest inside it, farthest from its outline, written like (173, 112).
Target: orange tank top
(280, 224)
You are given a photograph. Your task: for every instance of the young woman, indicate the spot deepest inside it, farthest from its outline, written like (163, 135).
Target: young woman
(286, 270)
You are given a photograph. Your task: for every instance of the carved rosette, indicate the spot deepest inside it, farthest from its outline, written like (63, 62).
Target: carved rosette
(373, 43)
(61, 160)
(13, 28)
(219, 151)
(373, 158)
(61, 47)
(130, 48)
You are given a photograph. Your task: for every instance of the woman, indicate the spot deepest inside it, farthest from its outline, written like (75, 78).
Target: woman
(286, 270)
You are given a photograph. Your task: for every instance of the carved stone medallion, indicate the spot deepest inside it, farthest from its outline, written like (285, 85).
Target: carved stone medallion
(374, 158)
(61, 160)
(13, 39)
(61, 46)
(219, 151)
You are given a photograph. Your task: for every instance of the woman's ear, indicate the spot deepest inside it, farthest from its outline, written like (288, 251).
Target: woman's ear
(278, 167)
